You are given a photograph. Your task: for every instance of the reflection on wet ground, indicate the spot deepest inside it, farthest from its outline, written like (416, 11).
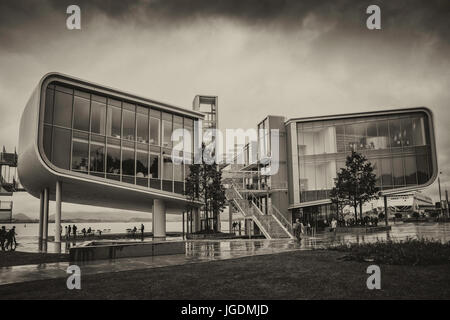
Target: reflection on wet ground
(203, 251)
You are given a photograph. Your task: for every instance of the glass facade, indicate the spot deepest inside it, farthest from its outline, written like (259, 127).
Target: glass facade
(398, 146)
(113, 139)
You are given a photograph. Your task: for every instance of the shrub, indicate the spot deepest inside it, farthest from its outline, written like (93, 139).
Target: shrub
(409, 252)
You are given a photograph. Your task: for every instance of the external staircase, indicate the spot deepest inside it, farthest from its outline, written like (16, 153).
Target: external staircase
(269, 224)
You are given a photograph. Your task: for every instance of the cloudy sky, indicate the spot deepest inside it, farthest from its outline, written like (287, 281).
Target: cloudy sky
(285, 57)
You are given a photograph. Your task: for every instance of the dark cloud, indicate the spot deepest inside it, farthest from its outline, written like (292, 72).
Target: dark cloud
(412, 16)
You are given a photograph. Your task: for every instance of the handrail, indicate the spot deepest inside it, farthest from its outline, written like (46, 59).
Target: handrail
(286, 223)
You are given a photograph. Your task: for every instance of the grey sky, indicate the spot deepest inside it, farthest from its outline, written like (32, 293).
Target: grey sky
(292, 58)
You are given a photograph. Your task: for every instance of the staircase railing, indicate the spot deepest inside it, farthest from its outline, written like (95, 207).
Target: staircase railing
(282, 219)
(249, 209)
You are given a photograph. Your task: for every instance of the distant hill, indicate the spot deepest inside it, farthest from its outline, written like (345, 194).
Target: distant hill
(21, 217)
(105, 216)
(102, 216)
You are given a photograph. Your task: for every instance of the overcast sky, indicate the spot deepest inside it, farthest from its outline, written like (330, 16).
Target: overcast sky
(292, 58)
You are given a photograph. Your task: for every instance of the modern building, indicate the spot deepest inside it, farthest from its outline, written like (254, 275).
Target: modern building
(400, 144)
(84, 143)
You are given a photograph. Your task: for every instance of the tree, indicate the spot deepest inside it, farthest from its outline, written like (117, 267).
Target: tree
(204, 184)
(355, 184)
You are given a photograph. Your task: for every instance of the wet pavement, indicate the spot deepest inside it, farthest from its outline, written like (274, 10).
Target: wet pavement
(198, 251)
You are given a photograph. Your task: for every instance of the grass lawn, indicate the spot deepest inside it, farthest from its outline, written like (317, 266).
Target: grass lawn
(16, 258)
(291, 275)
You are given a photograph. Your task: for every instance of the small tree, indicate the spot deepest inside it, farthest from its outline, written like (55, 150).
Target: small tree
(355, 184)
(204, 184)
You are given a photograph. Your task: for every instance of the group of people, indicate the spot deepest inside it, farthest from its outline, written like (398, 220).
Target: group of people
(8, 238)
(72, 231)
(134, 231)
(299, 228)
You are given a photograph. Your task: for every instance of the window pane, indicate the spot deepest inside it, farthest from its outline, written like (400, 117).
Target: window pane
(167, 173)
(128, 163)
(383, 135)
(113, 160)
(340, 138)
(63, 109)
(395, 133)
(142, 168)
(129, 124)
(167, 133)
(418, 132)
(61, 148)
(376, 171)
(98, 118)
(372, 141)
(399, 177)
(407, 132)
(97, 155)
(80, 150)
(154, 131)
(48, 113)
(188, 141)
(154, 166)
(81, 108)
(386, 173)
(410, 170)
(178, 178)
(114, 122)
(422, 169)
(308, 141)
(142, 124)
(178, 138)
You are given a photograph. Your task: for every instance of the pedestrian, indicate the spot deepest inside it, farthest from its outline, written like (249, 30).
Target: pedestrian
(298, 229)
(74, 231)
(11, 239)
(333, 225)
(142, 231)
(3, 237)
(83, 231)
(69, 229)
(66, 230)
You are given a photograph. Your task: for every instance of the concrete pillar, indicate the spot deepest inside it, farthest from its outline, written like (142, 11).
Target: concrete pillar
(45, 217)
(385, 210)
(230, 218)
(41, 216)
(58, 212)
(183, 226)
(159, 219)
(196, 219)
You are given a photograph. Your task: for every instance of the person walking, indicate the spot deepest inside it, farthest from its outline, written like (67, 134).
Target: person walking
(69, 229)
(3, 237)
(74, 231)
(142, 231)
(11, 239)
(333, 225)
(298, 229)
